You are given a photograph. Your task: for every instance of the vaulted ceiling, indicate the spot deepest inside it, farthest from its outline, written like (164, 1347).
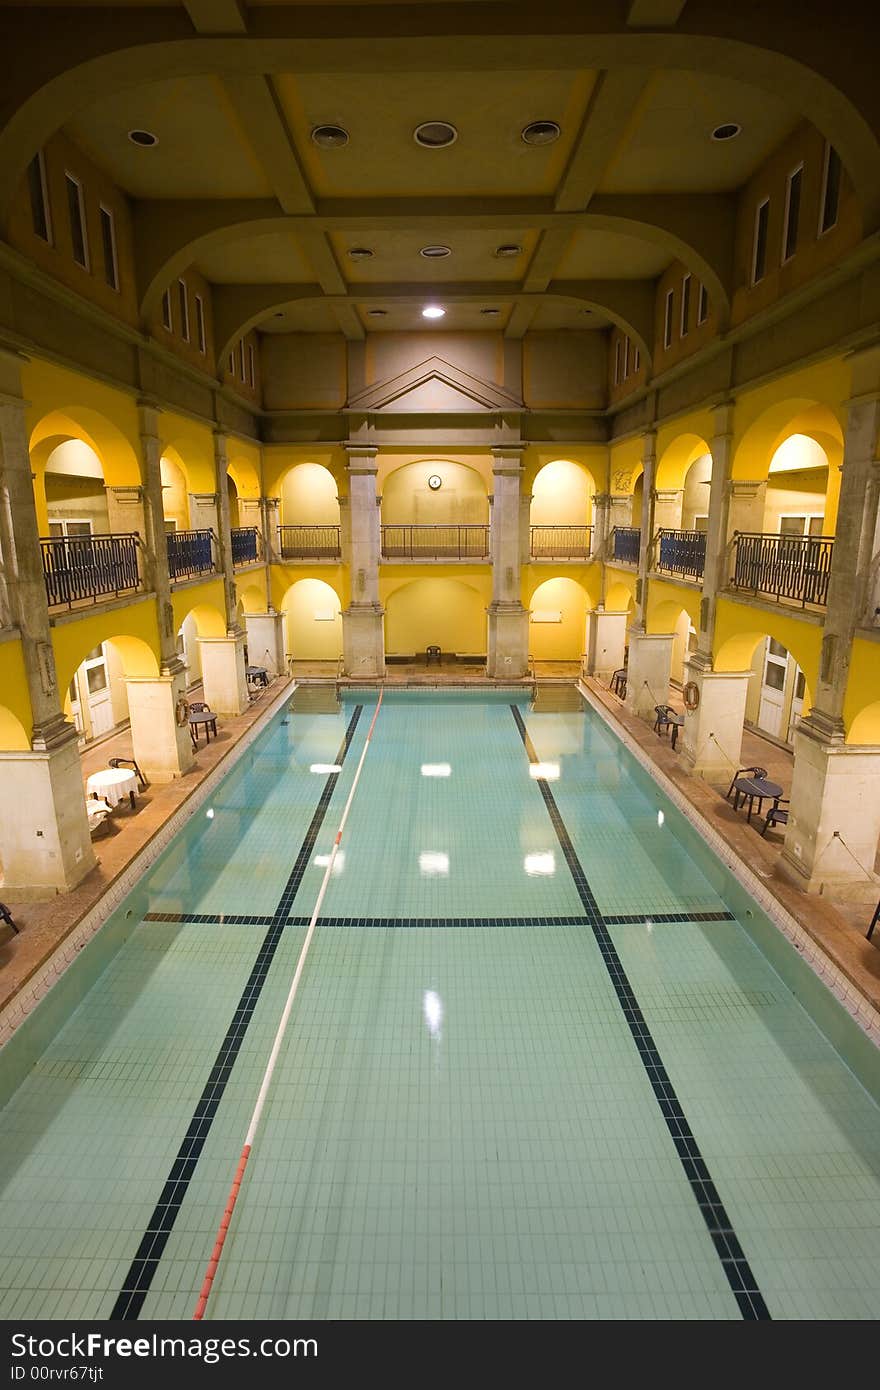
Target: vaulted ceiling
(237, 186)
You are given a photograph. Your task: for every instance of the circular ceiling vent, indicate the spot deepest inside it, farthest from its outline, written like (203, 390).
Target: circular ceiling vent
(145, 138)
(726, 132)
(490, 313)
(329, 137)
(435, 135)
(510, 248)
(435, 253)
(377, 313)
(540, 133)
(360, 253)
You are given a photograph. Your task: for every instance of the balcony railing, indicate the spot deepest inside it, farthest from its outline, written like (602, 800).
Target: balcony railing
(245, 544)
(309, 542)
(682, 552)
(794, 568)
(561, 542)
(76, 568)
(435, 542)
(190, 553)
(625, 544)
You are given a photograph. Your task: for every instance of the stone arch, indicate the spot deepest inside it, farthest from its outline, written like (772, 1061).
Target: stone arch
(13, 734)
(210, 621)
(562, 494)
(446, 612)
(251, 598)
(677, 458)
(193, 453)
(245, 475)
(462, 498)
(119, 462)
(735, 650)
(76, 455)
(793, 415)
(309, 495)
(125, 655)
(620, 596)
(312, 620)
(865, 727)
(561, 639)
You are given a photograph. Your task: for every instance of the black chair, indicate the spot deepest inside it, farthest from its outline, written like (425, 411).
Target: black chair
(432, 653)
(874, 920)
(618, 682)
(665, 719)
(130, 762)
(198, 707)
(745, 772)
(777, 815)
(6, 916)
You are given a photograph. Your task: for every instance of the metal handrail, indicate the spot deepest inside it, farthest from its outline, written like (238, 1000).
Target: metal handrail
(560, 542)
(797, 568)
(681, 552)
(190, 553)
(309, 542)
(452, 542)
(76, 568)
(245, 545)
(625, 544)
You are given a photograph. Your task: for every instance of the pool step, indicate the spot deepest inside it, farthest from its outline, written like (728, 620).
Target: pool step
(557, 699)
(314, 699)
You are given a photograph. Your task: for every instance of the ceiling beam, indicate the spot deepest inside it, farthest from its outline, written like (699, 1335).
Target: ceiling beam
(521, 316)
(654, 14)
(546, 257)
(216, 16)
(257, 108)
(609, 117)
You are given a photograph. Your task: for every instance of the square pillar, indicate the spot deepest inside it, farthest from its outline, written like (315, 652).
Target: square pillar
(508, 629)
(834, 815)
(162, 747)
(265, 641)
(363, 640)
(223, 674)
(647, 681)
(711, 740)
(508, 641)
(606, 643)
(44, 829)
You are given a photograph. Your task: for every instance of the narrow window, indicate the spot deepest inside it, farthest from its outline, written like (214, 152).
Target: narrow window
(241, 359)
(39, 198)
(625, 358)
(685, 304)
(830, 200)
(617, 363)
(108, 243)
(232, 364)
(759, 249)
(702, 305)
(76, 213)
(200, 323)
(184, 310)
(667, 324)
(252, 369)
(792, 213)
(637, 358)
(167, 320)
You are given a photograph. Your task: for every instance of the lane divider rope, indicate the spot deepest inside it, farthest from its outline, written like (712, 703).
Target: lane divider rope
(223, 1229)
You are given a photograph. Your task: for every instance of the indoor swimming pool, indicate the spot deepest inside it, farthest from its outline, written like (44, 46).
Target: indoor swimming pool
(536, 1069)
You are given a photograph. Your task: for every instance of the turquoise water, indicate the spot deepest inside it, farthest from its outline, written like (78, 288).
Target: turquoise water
(466, 1120)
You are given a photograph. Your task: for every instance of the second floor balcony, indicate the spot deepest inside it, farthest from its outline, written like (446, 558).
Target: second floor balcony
(309, 542)
(452, 542)
(788, 568)
(82, 569)
(245, 545)
(682, 553)
(561, 542)
(625, 542)
(190, 553)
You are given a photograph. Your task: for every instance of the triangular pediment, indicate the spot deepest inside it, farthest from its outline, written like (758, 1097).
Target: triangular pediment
(433, 386)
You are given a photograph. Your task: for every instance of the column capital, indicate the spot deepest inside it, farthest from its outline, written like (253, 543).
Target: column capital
(745, 487)
(205, 499)
(666, 494)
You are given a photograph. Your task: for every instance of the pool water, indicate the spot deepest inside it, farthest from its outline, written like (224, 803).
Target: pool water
(536, 1067)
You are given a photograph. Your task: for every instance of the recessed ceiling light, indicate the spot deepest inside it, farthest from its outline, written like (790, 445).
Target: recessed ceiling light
(433, 311)
(145, 138)
(329, 137)
(435, 135)
(279, 314)
(360, 253)
(435, 253)
(509, 249)
(490, 313)
(726, 132)
(377, 313)
(540, 133)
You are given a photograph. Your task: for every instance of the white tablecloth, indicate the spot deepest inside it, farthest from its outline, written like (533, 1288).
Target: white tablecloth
(113, 784)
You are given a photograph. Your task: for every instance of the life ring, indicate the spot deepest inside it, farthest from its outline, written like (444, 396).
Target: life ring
(691, 695)
(181, 710)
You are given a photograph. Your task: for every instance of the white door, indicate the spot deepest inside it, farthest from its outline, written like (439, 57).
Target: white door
(76, 709)
(97, 684)
(797, 702)
(772, 687)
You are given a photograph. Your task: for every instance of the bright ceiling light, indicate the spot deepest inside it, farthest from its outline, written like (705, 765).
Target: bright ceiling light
(436, 770)
(433, 311)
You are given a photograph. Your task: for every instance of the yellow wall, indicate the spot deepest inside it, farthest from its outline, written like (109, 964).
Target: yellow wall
(175, 502)
(448, 613)
(133, 630)
(460, 500)
(739, 627)
(16, 721)
(861, 709)
(308, 497)
(309, 636)
(561, 495)
(666, 599)
(563, 640)
(205, 601)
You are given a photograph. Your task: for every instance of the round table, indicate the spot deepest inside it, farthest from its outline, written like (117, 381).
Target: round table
(257, 675)
(754, 789)
(206, 717)
(113, 785)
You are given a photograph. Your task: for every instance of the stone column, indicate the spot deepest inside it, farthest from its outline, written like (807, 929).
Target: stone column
(44, 832)
(711, 741)
(650, 655)
(265, 641)
(223, 665)
(125, 510)
(162, 747)
(606, 643)
(363, 633)
(834, 819)
(508, 635)
(667, 508)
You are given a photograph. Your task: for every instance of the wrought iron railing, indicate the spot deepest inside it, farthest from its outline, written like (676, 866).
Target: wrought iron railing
(682, 552)
(452, 542)
(796, 568)
(309, 542)
(245, 542)
(76, 568)
(561, 542)
(625, 544)
(189, 553)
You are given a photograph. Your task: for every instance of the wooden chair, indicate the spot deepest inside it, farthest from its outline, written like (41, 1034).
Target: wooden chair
(777, 815)
(745, 772)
